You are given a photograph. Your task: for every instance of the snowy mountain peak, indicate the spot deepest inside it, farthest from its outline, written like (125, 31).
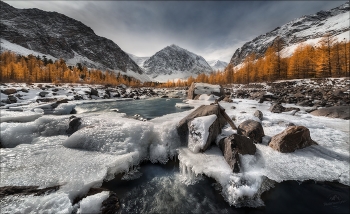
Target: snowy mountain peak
(217, 65)
(297, 31)
(174, 62)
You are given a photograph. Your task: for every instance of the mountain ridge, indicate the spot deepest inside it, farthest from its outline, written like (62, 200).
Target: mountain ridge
(60, 36)
(334, 21)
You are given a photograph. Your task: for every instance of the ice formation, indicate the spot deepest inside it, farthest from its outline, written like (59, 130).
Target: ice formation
(199, 132)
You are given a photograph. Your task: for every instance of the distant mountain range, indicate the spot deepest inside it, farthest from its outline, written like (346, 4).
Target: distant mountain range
(217, 65)
(306, 29)
(33, 31)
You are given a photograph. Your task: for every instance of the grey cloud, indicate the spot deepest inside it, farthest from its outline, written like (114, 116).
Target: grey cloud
(208, 28)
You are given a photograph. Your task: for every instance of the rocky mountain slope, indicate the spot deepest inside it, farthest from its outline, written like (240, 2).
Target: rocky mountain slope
(174, 62)
(59, 36)
(139, 60)
(217, 65)
(303, 29)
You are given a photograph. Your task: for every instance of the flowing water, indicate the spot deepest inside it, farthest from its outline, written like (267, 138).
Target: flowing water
(163, 189)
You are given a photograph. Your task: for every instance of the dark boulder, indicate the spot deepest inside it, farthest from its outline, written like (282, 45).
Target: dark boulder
(74, 124)
(342, 112)
(258, 114)
(43, 93)
(291, 139)
(26, 190)
(111, 205)
(54, 105)
(12, 99)
(307, 103)
(94, 92)
(251, 129)
(46, 100)
(277, 108)
(9, 91)
(78, 97)
(234, 145)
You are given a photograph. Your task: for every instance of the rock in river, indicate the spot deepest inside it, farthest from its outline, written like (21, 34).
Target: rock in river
(251, 129)
(291, 139)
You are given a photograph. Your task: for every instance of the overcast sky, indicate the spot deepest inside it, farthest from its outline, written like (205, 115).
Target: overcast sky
(212, 29)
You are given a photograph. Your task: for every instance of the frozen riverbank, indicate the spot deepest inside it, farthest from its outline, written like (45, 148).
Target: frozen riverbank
(109, 143)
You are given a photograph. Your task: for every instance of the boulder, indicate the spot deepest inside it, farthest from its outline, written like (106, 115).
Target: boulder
(94, 92)
(43, 93)
(111, 205)
(54, 105)
(26, 190)
(12, 99)
(258, 114)
(277, 108)
(46, 100)
(227, 99)
(342, 112)
(291, 139)
(204, 88)
(74, 124)
(234, 145)
(9, 91)
(204, 110)
(251, 129)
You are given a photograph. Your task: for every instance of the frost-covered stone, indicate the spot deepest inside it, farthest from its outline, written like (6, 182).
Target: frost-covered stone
(291, 139)
(201, 133)
(204, 110)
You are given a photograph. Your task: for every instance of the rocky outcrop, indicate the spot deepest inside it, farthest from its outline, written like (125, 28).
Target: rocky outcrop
(9, 91)
(342, 112)
(197, 89)
(26, 190)
(234, 145)
(291, 139)
(258, 114)
(74, 124)
(111, 205)
(251, 129)
(204, 110)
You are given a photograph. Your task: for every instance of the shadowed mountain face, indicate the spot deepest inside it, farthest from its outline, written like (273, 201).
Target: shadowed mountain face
(334, 22)
(57, 35)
